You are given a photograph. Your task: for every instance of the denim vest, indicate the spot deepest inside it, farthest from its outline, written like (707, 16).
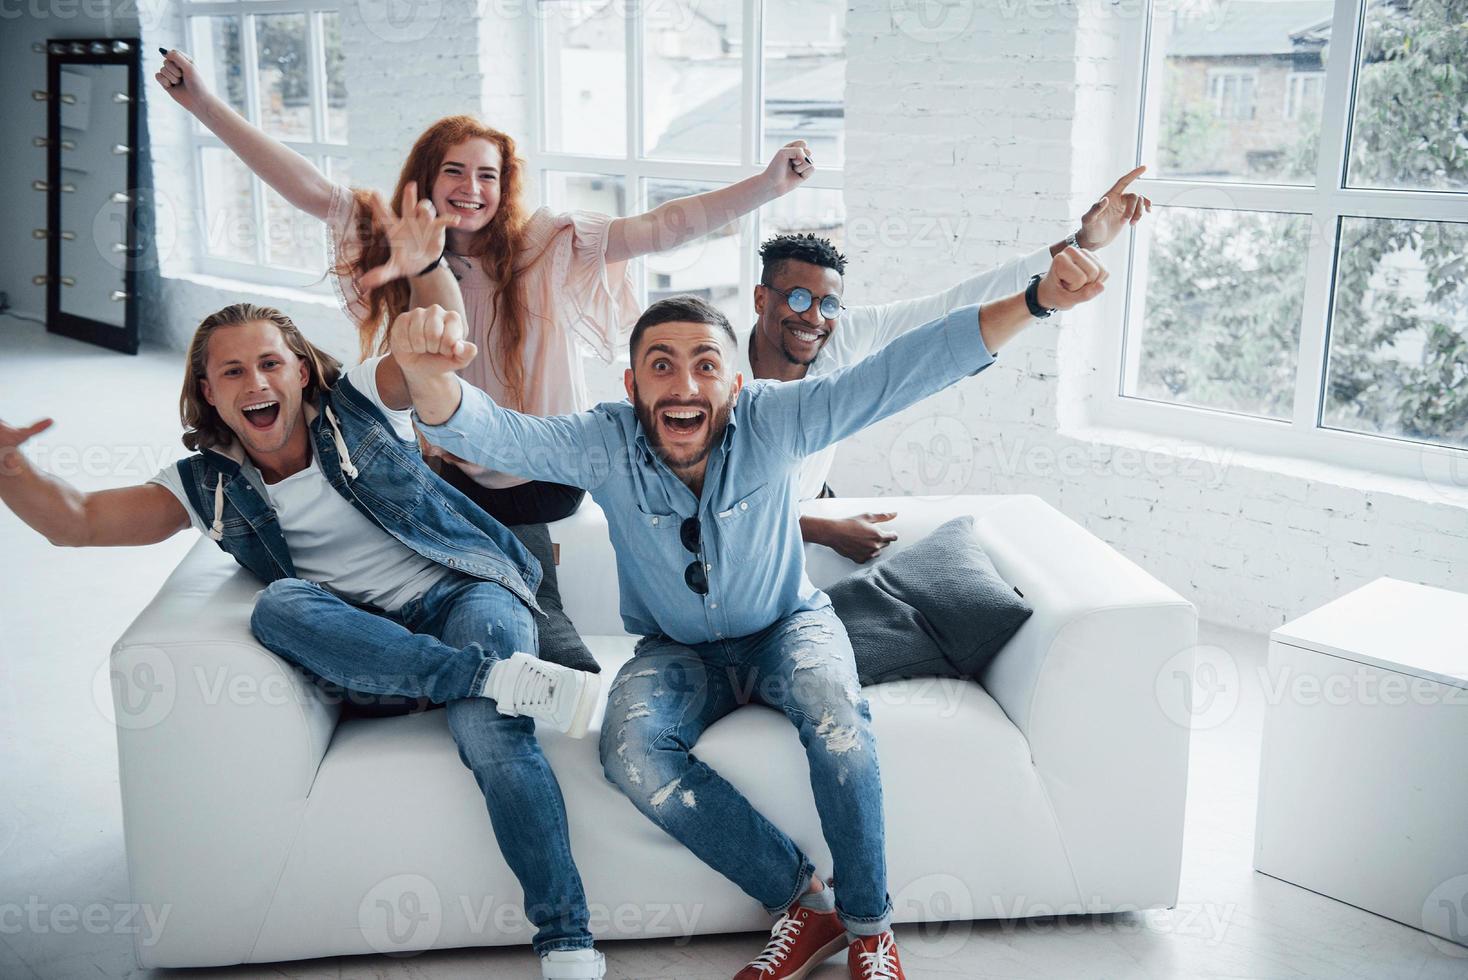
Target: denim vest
(381, 476)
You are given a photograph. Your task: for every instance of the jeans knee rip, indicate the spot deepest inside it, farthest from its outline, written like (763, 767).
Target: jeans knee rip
(838, 739)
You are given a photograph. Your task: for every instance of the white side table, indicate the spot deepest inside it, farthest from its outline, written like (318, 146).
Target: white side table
(1363, 780)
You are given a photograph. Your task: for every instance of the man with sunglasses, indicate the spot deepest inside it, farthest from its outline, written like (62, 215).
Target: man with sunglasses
(697, 477)
(802, 330)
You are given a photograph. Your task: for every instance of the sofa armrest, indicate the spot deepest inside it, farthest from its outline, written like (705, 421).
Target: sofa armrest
(1087, 680)
(218, 741)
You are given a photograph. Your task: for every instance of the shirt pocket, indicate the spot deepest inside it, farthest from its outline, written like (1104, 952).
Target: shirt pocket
(744, 528)
(656, 544)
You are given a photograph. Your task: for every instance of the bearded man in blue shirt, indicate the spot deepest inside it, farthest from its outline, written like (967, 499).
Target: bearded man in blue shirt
(698, 476)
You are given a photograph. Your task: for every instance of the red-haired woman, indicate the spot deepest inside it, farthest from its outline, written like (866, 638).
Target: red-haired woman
(529, 286)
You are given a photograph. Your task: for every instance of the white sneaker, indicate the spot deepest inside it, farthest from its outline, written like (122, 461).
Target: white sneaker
(573, 964)
(559, 696)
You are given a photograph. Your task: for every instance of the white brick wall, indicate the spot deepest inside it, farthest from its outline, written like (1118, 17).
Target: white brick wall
(996, 117)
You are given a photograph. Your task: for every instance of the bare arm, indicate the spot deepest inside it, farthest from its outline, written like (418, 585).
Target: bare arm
(285, 170)
(676, 223)
(67, 517)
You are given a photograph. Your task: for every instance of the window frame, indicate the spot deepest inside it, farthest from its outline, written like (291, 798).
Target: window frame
(636, 169)
(1303, 436)
(318, 149)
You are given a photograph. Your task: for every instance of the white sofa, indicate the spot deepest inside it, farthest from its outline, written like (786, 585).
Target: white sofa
(266, 830)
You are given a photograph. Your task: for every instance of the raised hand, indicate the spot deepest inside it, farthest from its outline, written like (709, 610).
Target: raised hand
(183, 81)
(416, 238)
(1117, 209)
(1076, 276)
(12, 438)
(791, 166)
(429, 341)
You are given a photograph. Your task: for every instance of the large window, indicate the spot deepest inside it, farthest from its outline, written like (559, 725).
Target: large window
(640, 102)
(1302, 287)
(279, 64)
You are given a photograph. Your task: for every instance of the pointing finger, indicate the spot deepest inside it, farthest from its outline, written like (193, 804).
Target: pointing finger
(1126, 180)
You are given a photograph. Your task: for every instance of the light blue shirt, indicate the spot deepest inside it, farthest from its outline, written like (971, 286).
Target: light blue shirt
(748, 513)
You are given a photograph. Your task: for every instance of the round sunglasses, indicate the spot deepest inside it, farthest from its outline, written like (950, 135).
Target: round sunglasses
(800, 300)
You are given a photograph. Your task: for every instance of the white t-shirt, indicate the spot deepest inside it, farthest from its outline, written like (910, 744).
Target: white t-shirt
(330, 541)
(863, 330)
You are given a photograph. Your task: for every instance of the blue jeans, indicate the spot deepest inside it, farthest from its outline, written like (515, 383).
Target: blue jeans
(441, 646)
(668, 694)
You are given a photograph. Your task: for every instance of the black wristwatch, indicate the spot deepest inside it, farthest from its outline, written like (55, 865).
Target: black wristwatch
(1032, 299)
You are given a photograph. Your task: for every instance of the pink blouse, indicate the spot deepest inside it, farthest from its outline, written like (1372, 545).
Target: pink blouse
(575, 300)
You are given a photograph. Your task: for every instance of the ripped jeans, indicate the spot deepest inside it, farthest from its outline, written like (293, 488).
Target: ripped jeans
(668, 694)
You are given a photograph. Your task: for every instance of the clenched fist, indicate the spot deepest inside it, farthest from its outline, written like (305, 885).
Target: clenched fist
(1076, 276)
(430, 341)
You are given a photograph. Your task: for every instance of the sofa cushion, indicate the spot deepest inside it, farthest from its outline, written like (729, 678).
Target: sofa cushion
(935, 609)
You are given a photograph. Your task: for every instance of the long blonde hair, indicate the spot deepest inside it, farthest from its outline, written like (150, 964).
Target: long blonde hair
(496, 246)
(203, 428)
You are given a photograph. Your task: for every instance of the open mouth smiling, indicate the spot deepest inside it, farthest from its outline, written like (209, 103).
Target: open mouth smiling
(261, 415)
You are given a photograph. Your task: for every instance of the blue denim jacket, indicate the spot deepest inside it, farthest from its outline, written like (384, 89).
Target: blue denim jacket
(380, 475)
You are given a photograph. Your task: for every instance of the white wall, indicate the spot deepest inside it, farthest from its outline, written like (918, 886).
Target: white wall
(998, 120)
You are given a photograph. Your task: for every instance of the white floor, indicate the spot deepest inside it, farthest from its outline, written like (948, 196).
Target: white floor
(63, 883)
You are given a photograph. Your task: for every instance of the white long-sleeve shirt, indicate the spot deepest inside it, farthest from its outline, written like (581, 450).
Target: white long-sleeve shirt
(862, 330)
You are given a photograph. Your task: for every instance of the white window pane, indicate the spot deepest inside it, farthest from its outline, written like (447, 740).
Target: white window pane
(601, 193)
(1224, 81)
(293, 238)
(1399, 336)
(692, 75)
(285, 75)
(336, 78)
(585, 84)
(805, 76)
(1221, 321)
(1411, 94)
(216, 52)
(229, 210)
(707, 267)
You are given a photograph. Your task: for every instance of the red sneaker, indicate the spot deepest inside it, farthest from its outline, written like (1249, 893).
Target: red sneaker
(874, 958)
(801, 941)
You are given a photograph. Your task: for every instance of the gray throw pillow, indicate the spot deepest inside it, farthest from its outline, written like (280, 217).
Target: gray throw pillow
(559, 641)
(935, 609)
